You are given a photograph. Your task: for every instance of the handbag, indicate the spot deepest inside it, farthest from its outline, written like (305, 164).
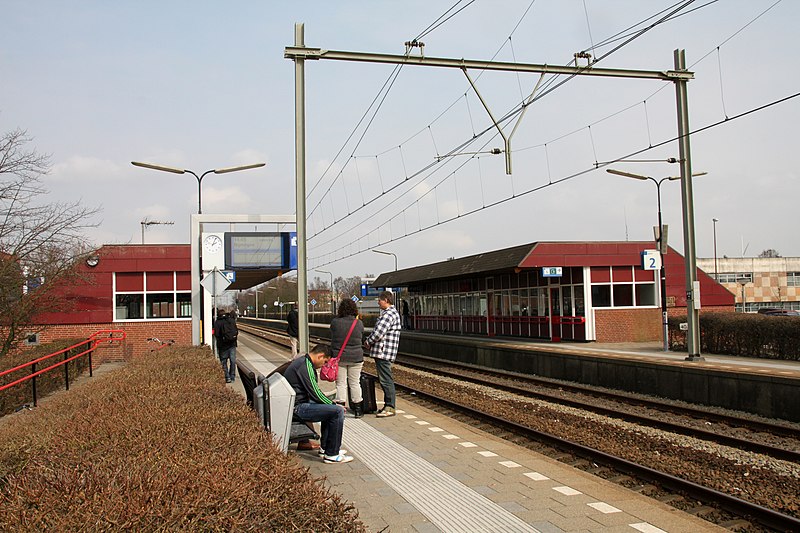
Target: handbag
(330, 369)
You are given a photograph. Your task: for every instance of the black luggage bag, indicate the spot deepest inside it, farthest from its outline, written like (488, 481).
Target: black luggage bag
(368, 393)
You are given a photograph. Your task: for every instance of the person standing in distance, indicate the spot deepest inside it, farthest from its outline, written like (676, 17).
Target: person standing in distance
(293, 330)
(227, 333)
(383, 343)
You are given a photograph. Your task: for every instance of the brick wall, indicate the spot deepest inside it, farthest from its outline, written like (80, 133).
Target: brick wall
(627, 325)
(135, 343)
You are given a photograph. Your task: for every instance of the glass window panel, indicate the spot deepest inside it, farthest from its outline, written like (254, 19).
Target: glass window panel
(645, 294)
(580, 308)
(515, 305)
(601, 295)
(160, 305)
(793, 279)
(184, 304)
(566, 301)
(129, 306)
(577, 274)
(623, 295)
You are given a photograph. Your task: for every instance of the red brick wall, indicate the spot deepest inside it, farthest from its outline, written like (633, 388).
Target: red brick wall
(627, 325)
(135, 343)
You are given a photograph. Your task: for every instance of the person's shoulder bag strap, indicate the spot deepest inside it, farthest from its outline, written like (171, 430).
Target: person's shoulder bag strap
(352, 327)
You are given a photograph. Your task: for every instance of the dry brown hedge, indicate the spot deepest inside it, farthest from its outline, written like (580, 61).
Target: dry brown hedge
(158, 445)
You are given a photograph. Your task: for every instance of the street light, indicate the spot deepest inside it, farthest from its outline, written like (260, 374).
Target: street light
(743, 282)
(333, 300)
(659, 241)
(388, 253)
(716, 273)
(257, 291)
(199, 178)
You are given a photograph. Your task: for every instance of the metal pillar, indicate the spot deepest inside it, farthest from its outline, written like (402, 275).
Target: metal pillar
(300, 187)
(687, 202)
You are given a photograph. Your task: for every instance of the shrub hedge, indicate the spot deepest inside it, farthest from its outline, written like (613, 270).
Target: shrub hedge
(22, 394)
(746, 335)
(158, 445)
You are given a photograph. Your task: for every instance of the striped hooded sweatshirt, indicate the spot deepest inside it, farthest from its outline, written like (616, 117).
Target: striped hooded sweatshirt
(302, 376)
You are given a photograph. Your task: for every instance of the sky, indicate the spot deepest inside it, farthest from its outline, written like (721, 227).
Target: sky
(397, 159)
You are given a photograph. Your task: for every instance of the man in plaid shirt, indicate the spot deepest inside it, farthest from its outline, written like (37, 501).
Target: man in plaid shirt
(383, 344)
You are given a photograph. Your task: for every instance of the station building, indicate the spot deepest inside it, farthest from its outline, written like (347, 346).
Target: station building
(601, 292)
(144, 290)
(758, 282)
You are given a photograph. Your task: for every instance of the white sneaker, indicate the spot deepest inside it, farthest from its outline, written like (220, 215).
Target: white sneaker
(341, 458)
(342, 451)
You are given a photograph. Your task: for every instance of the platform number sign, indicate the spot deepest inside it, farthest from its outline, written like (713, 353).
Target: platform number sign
(651, 260)
(551, 272)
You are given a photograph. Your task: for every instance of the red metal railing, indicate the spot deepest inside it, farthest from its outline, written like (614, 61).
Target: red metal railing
(109, 336)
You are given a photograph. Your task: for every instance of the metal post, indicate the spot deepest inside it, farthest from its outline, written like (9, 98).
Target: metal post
(300, 184)
(716, 272)
(687, 201)
(662, 272)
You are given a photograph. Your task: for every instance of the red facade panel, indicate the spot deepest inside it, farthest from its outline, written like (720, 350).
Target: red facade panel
(160, 281)
(130, 282)
(183, 281)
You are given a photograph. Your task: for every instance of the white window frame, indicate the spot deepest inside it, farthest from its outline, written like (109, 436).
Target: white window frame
(144, 293)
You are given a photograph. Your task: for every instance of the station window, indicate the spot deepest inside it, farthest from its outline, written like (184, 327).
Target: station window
(793, 279)
(734, 277)
(623, 287)
(152, 296)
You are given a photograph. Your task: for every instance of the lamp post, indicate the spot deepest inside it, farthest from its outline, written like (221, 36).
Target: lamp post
(743, 282)
(333, 300)
(199, 178)
(660, 242)
(388, 253)
(257, 291)
(716, 272)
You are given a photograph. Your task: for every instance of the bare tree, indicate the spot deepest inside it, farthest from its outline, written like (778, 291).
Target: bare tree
(39, 241)
(347, 287)
(769, 253)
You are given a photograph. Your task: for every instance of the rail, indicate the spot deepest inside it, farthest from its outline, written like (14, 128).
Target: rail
(95, 339)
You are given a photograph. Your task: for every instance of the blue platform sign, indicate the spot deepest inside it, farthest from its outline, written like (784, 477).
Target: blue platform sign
(354, 298)
(293, 250)
(551, 272)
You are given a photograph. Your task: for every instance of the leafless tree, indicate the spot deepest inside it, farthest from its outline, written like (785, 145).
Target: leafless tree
(347, 287)
(769, 253)
(39, 241)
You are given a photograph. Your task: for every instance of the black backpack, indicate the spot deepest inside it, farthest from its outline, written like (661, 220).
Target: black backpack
(227, 330)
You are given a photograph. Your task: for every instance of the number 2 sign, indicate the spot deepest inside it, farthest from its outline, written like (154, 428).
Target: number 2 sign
(651, 260)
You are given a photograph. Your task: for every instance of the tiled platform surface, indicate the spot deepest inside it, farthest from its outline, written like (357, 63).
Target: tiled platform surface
(423, 472)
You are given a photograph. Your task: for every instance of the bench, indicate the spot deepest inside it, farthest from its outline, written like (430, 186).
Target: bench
(254, 383)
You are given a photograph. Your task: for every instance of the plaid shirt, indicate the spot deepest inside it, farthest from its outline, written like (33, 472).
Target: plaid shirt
(385, 338)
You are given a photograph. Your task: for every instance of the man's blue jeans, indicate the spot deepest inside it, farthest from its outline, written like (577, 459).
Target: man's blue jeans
(332, 421)
(228, 360)
(386, 380)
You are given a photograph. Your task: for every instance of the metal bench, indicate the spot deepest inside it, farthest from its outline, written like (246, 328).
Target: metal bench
(257, 390)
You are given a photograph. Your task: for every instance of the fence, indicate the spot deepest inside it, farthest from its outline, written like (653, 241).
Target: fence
(86, 347)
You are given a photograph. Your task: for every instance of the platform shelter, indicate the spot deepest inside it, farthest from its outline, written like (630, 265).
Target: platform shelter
(575, 291)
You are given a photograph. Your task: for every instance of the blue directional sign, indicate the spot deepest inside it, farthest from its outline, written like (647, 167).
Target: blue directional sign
(230, 275)
(313, 301)
(354, 298)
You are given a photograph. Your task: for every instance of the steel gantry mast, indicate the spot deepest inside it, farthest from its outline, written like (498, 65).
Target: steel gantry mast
(299, 53)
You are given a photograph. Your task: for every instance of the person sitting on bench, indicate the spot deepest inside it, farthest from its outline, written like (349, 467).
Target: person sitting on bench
(311, 405)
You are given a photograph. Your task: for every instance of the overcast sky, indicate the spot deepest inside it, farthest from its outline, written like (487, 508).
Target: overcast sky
(203, 85)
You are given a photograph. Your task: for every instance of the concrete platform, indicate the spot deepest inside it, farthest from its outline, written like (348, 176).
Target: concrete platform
(424, 472)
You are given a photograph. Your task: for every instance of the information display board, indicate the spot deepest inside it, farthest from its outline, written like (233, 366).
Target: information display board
(253, 250)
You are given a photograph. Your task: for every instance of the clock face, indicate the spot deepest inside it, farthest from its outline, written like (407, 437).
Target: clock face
(212, 243)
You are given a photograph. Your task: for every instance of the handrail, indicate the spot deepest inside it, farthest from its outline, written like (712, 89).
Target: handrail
(109, 335)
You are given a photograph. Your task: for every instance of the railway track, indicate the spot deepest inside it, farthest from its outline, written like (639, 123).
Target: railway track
(695, 480)
(721, 428)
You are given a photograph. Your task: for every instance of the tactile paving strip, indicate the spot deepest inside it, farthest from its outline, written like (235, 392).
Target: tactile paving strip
(445, 501)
